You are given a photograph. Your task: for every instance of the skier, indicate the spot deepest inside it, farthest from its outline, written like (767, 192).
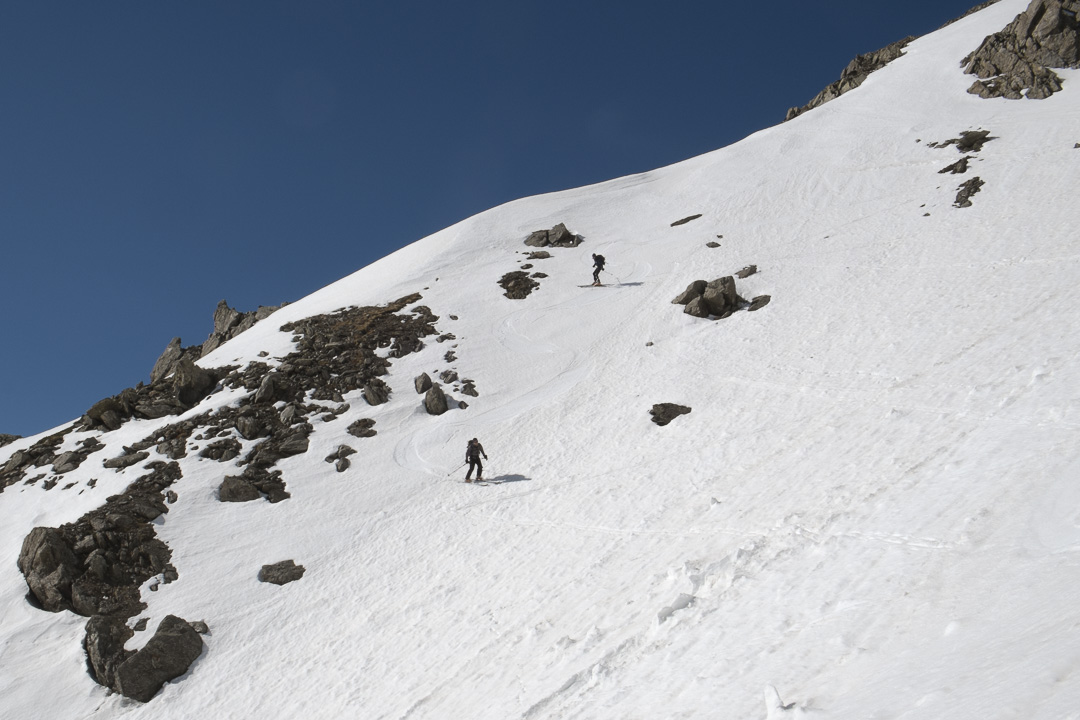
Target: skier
(473, 451)
(598, 265)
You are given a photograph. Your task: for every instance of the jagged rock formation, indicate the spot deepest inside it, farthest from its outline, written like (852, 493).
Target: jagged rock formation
(8, 439)
(853, 75)
(1015, 62)
(557, 236)
(969, 188)
(228, 323)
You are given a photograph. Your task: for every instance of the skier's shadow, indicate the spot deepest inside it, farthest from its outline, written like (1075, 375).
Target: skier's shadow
(499, 480)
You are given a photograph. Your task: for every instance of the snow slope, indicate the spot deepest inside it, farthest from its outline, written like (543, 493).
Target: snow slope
(873, 510)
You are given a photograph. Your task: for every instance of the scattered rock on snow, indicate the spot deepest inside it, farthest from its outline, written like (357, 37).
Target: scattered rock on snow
(517, 284)
(663, 413)
(685, 220)
(435, 400)
(281, 573)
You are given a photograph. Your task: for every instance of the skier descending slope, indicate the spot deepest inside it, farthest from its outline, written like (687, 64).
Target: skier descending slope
(598, 266)
(473, 451)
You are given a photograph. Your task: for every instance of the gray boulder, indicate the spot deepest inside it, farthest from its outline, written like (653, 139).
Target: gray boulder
(167, 361)
(237, 489)
(104, 645)
(166, 656)
(364, 427)
(286, 571)
(422, 383)
(721, 298)
(435, 400)
(693, 290)
(124, 461)
(697, 307)
(376, 392)
(50, 567)
(557, 236)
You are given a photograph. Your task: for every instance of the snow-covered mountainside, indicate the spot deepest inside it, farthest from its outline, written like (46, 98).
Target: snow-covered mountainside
(872, 509)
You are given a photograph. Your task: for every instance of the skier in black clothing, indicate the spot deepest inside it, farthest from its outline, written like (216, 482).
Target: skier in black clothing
(598, 265)
(473, 451)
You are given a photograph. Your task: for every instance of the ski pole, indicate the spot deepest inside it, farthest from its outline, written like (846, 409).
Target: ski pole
(456, 469)
(617, 278)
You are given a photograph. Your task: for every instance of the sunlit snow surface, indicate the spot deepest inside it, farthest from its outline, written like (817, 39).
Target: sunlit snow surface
(872, 512)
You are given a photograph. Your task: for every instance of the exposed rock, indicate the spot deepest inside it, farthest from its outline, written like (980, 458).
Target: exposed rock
(342, 464)
(166, 361)
(759, 302)
(448, 376)
(222, 450)
(721, 298)
(343, 451)
(746, 272)
(422, 383)
(104, 645)
(963, 197)
(435, 400)
(694, 290)
(228, 323)
(663, 413)
(712, 244)
(95, 565)
(468, 387)
(517, 284)
(365, 427)
(853, 75)
(192, 383)
(557, 236)
(957, 168)
(124, 461)
(376, 392)
(697, 307)
(286, 571)
(237, 489)
(685, 220)
(166, 656)
(1015, 62)
(8, 439)
(969, 141)
(538, 255)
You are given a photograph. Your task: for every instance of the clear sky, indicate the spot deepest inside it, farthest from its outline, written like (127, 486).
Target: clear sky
(156, 158)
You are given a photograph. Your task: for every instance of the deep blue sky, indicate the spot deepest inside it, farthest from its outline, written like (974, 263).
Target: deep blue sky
(158, 157)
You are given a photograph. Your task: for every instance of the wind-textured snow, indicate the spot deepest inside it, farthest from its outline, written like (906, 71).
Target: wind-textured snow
(872, 512)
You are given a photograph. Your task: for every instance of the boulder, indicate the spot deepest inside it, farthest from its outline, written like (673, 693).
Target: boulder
(759, 302)
(693, 290)
(376, 392)
(663, 413)
(237, 489)
(965, 191)
(191, 383)
(365, 427)
(422, 383)
(286, 571)
(104, 645)
(557, 236)
(124, 461)
(435, 400)
(166, 656)
(517, 284)
(8, 439)
(50, 567)
(721, 298)
(697, 307)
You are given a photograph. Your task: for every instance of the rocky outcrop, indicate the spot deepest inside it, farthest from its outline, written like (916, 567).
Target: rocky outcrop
(717, 299)
(95, 565)
(1016, 62)
(362, 428)
(8, 439)
(517, 284)
(854, 75)
(663, 413)
(557, 236)
(281, 573)
(228, 323)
